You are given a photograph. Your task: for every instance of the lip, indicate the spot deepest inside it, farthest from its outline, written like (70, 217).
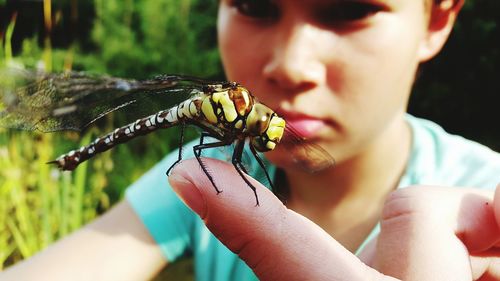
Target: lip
(305, 125)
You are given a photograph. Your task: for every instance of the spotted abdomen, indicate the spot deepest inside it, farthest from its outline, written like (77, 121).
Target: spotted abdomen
(188, 109)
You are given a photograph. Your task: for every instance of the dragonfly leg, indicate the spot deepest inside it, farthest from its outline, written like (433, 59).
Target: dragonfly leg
(263, 166)
(238, 151)
(181, 144)
(197, 153)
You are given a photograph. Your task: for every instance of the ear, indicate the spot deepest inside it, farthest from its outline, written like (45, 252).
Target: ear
(441, 21)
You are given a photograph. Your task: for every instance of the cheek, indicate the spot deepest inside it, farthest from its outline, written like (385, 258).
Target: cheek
(243, 50)
(386, 58)
(241, 56)
(373, 80)
(378, 70)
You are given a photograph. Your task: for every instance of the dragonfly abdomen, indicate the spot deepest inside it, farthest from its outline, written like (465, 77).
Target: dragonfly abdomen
(164, 119)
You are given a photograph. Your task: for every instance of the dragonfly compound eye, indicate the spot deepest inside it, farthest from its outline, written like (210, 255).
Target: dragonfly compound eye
(271, 136)
(258, 119)
(276, 129)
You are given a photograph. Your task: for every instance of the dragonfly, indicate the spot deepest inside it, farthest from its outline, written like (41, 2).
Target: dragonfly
(223, 110)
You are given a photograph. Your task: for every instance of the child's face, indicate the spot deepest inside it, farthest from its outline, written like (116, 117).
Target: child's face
(339, 71)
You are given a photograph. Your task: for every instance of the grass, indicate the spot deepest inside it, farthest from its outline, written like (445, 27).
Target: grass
(40, 204)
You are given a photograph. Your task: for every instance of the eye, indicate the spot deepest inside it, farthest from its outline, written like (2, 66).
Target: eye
(257, 9)
(346, 12)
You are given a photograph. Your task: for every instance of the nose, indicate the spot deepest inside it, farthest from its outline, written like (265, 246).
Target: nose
(295, 62)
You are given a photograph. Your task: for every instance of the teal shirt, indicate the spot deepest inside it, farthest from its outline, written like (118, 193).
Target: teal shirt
(437, 158)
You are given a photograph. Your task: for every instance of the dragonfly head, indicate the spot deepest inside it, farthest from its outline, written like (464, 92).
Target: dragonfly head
(265, 127)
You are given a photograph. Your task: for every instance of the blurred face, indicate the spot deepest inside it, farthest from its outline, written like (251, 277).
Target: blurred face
(339, 71)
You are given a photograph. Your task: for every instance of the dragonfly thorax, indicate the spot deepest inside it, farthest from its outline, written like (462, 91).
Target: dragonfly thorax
(265, 127)
(226, 106)
(235, 108)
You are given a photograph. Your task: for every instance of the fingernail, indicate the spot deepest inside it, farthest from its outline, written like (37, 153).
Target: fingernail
(189, 194)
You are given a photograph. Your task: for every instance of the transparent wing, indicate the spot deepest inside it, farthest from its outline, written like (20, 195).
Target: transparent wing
(312, 157)
(71, 101)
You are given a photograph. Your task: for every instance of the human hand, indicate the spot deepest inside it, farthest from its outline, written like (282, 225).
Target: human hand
(279, 244)
(439, 233)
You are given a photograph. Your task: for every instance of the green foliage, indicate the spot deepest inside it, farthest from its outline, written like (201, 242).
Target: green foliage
(143, 38)
(128, 38)
(38, 203)
(8, 37)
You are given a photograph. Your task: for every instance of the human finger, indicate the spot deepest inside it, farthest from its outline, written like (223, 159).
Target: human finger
(417, 239)
(277, 243)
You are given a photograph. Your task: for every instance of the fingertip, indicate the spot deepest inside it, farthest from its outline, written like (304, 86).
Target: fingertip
(189, 193)
(233, 203)
(227, 188)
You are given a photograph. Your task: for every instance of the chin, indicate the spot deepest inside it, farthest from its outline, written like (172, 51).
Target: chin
(279, 158)
(301, 158)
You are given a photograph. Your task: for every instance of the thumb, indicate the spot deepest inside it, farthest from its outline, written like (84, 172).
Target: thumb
(277, 243)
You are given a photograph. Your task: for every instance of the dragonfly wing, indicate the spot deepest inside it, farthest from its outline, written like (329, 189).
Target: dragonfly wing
(312, 157)
(73, 100)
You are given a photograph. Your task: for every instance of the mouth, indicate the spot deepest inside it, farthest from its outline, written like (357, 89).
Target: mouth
(305, 125)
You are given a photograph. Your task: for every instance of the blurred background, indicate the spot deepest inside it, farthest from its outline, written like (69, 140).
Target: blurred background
(141, 38)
